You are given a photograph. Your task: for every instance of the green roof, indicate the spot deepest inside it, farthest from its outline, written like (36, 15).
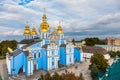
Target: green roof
(113, 72)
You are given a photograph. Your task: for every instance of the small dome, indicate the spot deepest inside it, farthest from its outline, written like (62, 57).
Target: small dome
(27, 30)
(33, 32)
(59, 30)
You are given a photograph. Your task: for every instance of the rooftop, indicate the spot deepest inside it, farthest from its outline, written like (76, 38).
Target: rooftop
(94, 49)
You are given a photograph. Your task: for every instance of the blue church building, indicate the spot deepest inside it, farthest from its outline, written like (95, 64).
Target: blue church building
(42, 49)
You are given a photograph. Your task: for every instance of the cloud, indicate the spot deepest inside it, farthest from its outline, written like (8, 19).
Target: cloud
(77, 17)
(6, 31)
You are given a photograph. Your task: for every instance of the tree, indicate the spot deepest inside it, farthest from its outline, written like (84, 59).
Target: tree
(93, 41)
(112, 54)
(99, 60)
(48, 77)
(5, 44)
(0, 77)
(94, 71)
(41, 77)
(56, 76)
(118, 53)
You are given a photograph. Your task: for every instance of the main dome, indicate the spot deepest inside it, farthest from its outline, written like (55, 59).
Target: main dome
(44, 26)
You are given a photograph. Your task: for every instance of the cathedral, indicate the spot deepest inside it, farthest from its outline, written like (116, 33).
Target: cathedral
(42, 49)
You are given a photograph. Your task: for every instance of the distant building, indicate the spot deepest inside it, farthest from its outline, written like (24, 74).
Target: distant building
(113, 41)
(88, 51)
(109, 47)
(42, 50)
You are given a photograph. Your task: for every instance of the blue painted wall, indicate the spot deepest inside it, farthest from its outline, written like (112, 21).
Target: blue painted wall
(44, 59)
(62, 41)
(77, 55)
(19, 61)
(47, 41)
(36, 45)
(62, 56)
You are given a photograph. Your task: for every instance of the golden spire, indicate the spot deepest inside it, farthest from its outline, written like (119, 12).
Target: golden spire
(59, 30)
(33, 32)
(27, 30)
(10, 50)
(44, 15)
(44, 26)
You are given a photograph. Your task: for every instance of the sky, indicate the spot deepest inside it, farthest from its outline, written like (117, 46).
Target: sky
(78, 18)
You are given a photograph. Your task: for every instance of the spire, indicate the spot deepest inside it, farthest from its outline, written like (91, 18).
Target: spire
(44, 15)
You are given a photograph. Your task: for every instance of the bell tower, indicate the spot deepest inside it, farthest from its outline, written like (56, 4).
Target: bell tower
(44, 27)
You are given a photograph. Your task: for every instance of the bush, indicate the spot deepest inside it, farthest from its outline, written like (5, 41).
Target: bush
(56, 76)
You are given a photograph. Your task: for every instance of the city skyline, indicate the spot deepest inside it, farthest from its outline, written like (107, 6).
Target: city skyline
(83, 18)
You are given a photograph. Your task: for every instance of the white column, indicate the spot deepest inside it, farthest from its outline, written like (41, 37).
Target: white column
(8, 65)
(81, 56)
(30, 67)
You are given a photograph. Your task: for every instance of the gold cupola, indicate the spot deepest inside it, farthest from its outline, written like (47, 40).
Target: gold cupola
(27, 30)
(59, 30)
(44, 26)
(33, 32)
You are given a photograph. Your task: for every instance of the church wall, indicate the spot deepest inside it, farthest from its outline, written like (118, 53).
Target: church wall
(44, 59)
(53, 56)
(62, 42)
(8, 64)
(77, 55)
(62, 56)
(18, 59)
(25, 65)
(37, 55)
(37, 45)
(69, 54)
(47, 41)
(30, 67)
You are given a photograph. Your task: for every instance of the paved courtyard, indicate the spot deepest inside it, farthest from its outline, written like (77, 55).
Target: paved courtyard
(81, 68)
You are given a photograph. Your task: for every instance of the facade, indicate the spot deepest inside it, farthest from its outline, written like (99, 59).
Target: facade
(110, 47)
(42, 50)
(89, 51)
(113, 41)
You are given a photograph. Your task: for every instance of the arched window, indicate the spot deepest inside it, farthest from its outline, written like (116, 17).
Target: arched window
(39, 54)
(70, 59)
(34, 55)
(52, 63)
(52, 52)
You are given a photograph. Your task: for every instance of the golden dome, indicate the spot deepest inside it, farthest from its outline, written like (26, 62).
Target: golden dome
(33, 32)
(44, 26)
(27, 30)
(59, 30)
